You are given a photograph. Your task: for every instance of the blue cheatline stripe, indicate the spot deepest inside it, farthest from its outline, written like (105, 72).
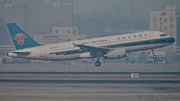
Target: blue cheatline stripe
(129, 44)
(146, 42)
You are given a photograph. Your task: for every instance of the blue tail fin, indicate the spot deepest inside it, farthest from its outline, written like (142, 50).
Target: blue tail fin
(20, 38)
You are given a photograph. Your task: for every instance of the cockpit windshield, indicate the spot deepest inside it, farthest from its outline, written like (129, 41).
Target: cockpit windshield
(162, 35)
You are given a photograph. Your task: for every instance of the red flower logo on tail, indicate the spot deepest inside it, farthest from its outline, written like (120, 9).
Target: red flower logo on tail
(20, 38)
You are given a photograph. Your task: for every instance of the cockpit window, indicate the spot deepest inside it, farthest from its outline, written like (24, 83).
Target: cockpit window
(162, 35)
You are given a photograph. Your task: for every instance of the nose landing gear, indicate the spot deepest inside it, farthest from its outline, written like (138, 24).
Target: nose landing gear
(154, 56)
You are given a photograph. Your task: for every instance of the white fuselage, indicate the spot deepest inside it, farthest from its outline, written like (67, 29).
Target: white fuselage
(131, 42)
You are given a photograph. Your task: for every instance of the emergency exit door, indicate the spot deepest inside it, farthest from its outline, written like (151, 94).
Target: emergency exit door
(151, 36)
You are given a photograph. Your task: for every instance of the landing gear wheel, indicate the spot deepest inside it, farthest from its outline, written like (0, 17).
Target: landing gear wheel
(154, 56)
(97, 63)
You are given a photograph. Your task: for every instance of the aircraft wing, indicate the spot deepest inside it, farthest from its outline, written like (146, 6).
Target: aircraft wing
(93, 50)
(84, 48)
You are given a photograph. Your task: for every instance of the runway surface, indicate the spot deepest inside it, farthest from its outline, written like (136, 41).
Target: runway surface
(88, 92)
(89, 67)
(54, 91)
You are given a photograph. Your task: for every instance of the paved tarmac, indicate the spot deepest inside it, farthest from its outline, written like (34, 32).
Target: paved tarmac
(88, 92)
(54, 91)
(89, 67)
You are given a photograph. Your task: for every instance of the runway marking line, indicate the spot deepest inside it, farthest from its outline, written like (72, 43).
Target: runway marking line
(85, 94)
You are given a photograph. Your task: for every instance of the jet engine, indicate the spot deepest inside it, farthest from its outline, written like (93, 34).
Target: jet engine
(115, 54)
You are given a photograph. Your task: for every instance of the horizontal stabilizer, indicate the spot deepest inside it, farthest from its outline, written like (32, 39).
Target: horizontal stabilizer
(66, 52)
(22, 53)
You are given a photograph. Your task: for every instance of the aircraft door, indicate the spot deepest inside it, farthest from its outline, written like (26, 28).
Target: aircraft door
(42, 52)
(109, 43)
(151, 35)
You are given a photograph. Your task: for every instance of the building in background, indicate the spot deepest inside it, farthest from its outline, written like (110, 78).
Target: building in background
(12, 12)
(38, 16)
(178, 30)
(165, 21)
(59, 34)
(42, 16)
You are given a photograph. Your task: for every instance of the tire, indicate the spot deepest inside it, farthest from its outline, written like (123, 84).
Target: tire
(97, 63)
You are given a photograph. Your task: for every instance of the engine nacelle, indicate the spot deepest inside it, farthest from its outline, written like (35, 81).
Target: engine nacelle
(115, 54)
(85, 55)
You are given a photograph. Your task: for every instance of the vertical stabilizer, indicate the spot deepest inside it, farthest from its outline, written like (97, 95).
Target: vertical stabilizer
(20, 38)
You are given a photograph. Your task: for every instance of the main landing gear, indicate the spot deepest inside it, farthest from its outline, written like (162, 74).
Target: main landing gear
(99, 55)
(97, 63)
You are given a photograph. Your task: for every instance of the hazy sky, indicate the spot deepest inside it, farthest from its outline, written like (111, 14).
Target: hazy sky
(141, 6)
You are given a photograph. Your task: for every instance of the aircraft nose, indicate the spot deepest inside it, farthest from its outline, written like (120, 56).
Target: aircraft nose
(173, 40)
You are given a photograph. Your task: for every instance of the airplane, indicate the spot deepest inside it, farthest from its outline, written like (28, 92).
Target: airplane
(109, 47)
